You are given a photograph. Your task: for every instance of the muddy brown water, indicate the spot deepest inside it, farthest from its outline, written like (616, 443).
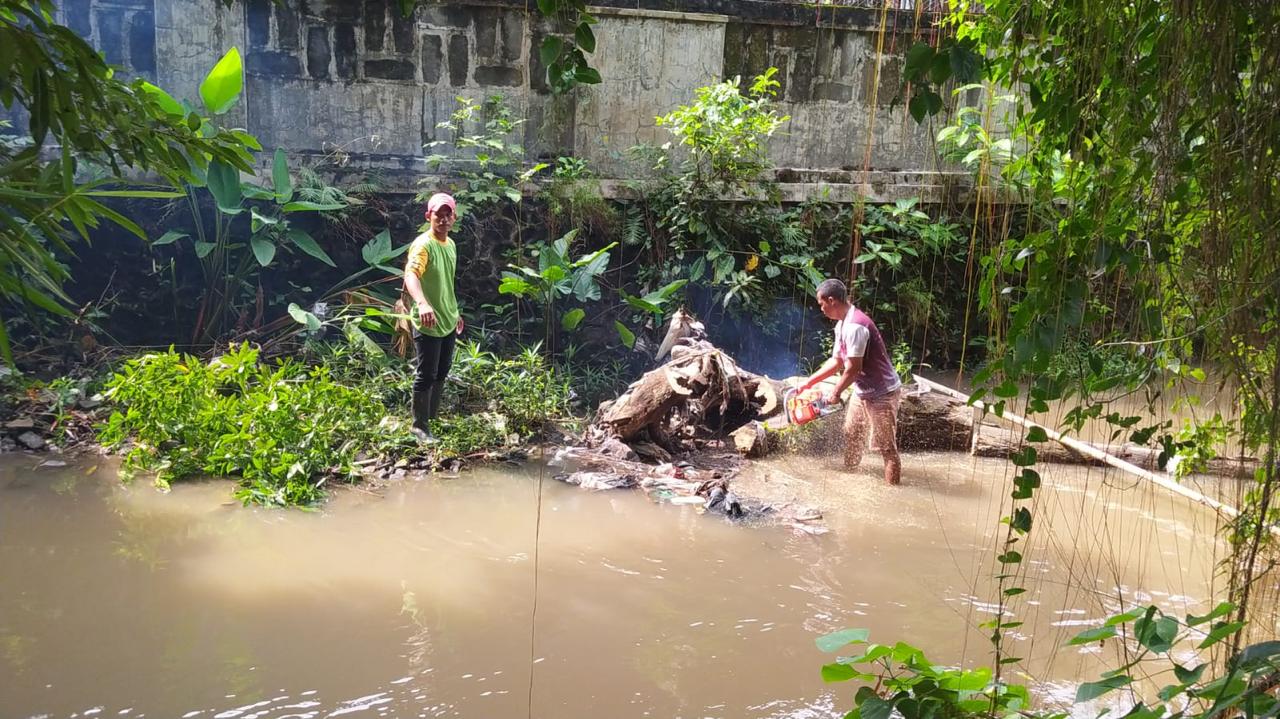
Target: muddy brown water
(121, 601)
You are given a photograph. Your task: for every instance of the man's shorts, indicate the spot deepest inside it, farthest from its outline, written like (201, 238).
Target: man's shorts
(878, 415)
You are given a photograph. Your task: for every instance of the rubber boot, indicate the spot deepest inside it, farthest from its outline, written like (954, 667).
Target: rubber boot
(421, 416)
(433, 403)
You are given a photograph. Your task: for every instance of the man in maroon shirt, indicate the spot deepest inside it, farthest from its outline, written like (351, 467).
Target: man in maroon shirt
(859, 355)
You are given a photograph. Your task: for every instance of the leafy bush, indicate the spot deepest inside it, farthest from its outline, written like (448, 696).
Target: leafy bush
(907, 684)
(285, 428)
(498, 159)
(557, 276)
(523, 390)
(281, 429)
(727, 131)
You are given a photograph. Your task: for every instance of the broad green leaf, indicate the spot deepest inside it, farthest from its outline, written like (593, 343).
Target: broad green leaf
(584, 37)
(169, 238)
(1037, 434)
(1096, 634)
(1220, 632)
(378, 251)
(641, 304)
(1223, 609)
(260, 220)
(940, 68)
(666, 291)
(204, 248)
(1093, 690)
(584, 286)
(554, 274)
(876, 708)
(513, 285)
(305, 205)
(357, 336)
(970, 681)
(918, 107)
(1127, 616)
(1006, 389)
(837, 640)
(280, 178)
(263, 249)
(966, 64)
(303, 241)
(572, 318)
(1021, 520)
(304, 317)
(1156, 634)
(1188, 676)
(627, 336)
(550, 50)
(136, 194)
(838, 672)
(223, 84)
(918, 61)
(253, 192)
(1024, 457)
(224, 183)
(163, 99)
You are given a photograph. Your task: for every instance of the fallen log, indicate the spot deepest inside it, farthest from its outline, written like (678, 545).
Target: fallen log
(1096, 453)
(992, 440)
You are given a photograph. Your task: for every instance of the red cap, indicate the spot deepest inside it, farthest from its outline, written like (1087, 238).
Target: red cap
(439, 200)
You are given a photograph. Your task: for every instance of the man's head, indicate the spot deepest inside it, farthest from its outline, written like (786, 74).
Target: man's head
(441, 209)
(833, 299)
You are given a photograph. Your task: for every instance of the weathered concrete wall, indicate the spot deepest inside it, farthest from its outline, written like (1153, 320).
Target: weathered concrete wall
(356, 75)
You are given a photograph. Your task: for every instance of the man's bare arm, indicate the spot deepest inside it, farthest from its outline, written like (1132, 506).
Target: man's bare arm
(828, 368)
(852, 368)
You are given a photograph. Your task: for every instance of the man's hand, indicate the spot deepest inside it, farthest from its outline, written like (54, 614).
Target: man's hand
(427, 315)
(831, 398)
(461, 324)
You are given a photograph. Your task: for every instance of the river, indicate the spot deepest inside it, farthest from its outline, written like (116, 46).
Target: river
(419, 601)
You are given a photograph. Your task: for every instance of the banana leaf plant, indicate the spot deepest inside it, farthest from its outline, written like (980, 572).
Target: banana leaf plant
(556, 277)
(230, 261)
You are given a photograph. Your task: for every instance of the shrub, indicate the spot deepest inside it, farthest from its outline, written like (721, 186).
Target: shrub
(522, 389)
(282, 429)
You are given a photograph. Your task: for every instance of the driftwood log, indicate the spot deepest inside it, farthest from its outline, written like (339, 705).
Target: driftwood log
(992, 440)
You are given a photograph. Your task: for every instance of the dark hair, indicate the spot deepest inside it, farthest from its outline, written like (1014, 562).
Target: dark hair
(833, 289)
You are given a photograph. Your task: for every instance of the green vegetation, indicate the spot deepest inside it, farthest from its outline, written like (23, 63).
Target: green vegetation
(103, 126)
(1138, 264)
(282, 429)
(558, 276)
(498, 160)
(916, 688)
(285, 428)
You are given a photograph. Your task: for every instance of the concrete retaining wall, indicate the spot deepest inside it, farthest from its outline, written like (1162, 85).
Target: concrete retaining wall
(326, 74)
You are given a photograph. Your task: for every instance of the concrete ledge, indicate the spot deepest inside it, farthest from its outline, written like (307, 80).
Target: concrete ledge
(607, 11)
(410, 175)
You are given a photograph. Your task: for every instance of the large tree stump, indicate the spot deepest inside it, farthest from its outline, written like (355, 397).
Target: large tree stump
(705, 386)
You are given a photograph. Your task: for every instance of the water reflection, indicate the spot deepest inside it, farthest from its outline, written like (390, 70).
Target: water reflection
(120, 601)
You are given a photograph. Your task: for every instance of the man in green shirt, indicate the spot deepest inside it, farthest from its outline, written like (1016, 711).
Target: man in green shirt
(429, 280)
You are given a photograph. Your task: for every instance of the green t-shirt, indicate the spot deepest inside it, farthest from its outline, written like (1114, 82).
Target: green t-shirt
(435, 263)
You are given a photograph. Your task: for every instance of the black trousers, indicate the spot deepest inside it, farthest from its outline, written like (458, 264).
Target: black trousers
(434, 358)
